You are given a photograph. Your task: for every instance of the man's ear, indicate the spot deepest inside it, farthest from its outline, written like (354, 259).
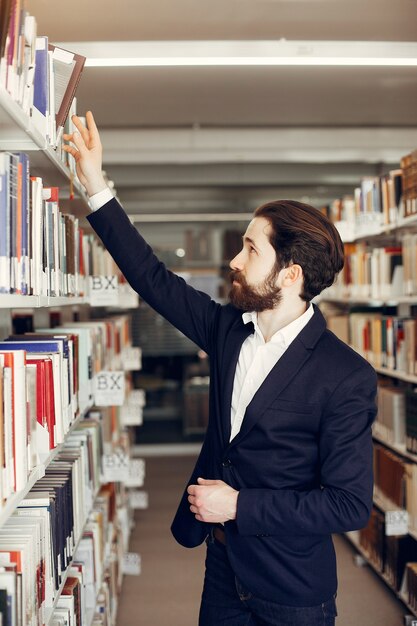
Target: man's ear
(291, 275)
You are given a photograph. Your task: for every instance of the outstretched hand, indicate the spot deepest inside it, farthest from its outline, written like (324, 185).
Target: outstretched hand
(87, 152)
(212, 501)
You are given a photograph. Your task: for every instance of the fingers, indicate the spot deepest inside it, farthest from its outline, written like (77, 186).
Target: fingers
(73, 151)
(204, 481)
(91, 125)
(80, 143)
(81, 129)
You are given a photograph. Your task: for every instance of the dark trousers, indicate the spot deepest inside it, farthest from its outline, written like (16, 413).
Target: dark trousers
(225, 602)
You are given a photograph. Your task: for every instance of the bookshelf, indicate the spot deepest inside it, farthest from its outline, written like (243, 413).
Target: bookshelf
(358, 316)
(19, 134)
(37, 472)
(352, 538)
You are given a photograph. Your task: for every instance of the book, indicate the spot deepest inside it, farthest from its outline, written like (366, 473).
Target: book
(40, 109)
(67, 69)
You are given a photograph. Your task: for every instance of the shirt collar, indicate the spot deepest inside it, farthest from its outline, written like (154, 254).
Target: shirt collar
(284, 335)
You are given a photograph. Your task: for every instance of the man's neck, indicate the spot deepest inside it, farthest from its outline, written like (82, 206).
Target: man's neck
(272, 321)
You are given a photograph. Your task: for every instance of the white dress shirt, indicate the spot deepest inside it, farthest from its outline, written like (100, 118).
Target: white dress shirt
(100, 199)
(256, 360)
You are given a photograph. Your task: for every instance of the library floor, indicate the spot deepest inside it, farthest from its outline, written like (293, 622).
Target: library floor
(168, 591)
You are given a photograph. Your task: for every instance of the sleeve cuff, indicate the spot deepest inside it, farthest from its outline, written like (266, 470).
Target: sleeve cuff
(100, 199)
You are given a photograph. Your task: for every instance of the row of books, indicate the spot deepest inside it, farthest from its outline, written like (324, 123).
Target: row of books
(38, 541)
(42, 250)
(375, 273)
(378, 198)
(40, 77)
(47, 379)
(389, 554)
(395, 483)
(384, 340)
(396, 421)
(378, 202)
(410, 585)
(89, 596)
(409, 167)
(65, 540)
(378, 273)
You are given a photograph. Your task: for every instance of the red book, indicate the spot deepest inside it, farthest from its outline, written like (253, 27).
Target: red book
(50, 402)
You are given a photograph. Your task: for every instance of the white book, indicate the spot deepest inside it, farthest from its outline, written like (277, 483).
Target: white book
(19, 421)
(52, 112)
(31, 393)
(8, 474)
(38, 505)
(5, 250)
(37, 236)
(29, 67)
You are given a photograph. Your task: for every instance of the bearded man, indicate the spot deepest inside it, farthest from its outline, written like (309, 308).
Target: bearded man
(287, 457)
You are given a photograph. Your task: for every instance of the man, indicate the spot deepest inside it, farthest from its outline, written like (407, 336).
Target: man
(287, 457)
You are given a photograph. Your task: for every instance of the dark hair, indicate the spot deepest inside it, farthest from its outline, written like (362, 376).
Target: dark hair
(302, 235)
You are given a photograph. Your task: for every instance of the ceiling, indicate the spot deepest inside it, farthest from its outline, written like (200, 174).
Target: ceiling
(192, 134)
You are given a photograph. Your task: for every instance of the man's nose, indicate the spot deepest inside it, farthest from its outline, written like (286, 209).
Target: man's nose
(237, 262)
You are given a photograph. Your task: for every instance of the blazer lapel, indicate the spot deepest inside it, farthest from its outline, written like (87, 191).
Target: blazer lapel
(281, 374)
(234, 343)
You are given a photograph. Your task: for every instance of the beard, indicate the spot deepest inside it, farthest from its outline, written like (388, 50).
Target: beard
(263, 297)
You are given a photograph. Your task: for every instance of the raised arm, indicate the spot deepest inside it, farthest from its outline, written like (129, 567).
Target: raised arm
(193, 312)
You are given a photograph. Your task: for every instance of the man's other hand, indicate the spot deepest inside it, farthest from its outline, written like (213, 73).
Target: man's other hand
(212, 501)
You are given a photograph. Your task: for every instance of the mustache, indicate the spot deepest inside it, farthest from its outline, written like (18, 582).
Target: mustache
(236, 276)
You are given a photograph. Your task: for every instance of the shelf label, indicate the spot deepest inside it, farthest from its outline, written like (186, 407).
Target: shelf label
(131, 565)
(136, 476)
(138, 499)
(132, 359)
(115, 467)
(137, 397)
(109, 389)
(131, 415)
(396, 522)
(104, 291)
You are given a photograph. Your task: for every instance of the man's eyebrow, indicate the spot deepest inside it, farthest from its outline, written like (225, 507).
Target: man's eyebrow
(249, 240)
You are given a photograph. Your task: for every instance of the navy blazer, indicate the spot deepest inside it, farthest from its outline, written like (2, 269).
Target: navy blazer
(302, 461)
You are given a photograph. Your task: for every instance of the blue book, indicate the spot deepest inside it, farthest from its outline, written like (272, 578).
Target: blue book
(41, 86)
(32, 346)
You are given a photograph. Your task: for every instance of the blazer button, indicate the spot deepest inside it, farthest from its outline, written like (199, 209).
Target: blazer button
(227, 463)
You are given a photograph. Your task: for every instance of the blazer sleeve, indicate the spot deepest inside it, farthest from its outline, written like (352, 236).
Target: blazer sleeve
(343, 502)
(191, 311)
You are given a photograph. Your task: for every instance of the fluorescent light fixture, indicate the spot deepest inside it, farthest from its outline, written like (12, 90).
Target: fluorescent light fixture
(154, 218)
(245, 53)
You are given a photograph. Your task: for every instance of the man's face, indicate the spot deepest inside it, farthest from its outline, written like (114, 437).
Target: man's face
(254, 275)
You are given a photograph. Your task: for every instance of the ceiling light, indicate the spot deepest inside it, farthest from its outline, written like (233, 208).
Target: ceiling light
(245, 53)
